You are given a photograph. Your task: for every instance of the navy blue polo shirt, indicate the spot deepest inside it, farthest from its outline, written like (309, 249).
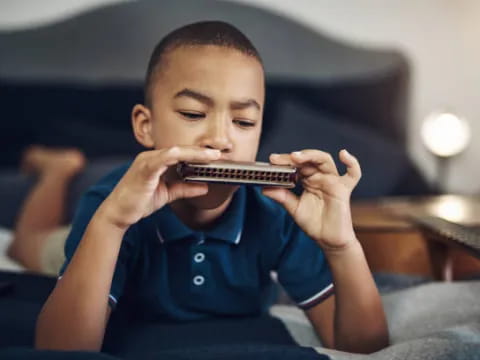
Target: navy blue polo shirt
(167, 270)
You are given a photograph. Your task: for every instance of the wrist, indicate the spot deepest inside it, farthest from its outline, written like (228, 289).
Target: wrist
(350, 247)
(106, 217)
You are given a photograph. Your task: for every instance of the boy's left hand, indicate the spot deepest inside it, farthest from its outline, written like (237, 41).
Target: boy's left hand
(323, 209)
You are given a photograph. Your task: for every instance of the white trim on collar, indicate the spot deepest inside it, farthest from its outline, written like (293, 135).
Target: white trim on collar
(162, 240)
(160, 237)
(113, 298)
(237, 240)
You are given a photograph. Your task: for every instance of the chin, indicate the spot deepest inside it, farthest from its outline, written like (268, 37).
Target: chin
(216, 196)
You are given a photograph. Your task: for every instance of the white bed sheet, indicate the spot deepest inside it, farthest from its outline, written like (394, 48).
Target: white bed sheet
(6, 237)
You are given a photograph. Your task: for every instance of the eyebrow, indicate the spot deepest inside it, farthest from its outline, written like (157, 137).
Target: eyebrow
(194, 95)
(236, 105)
(239, 105)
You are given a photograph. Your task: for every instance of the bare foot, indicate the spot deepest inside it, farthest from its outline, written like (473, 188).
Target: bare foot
(43, 160)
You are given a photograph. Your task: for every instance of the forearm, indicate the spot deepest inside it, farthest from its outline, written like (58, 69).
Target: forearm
(74, 316)
(359, 324)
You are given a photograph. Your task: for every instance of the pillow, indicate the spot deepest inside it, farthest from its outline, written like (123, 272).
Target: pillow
(384, 164)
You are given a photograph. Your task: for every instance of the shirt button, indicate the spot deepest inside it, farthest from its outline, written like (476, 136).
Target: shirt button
(199, 257)
(198, 280)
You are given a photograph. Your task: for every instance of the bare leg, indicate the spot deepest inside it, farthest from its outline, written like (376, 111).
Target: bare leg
(43, 209)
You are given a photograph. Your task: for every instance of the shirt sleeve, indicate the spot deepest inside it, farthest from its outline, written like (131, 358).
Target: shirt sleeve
(85, 211)
(302, 268)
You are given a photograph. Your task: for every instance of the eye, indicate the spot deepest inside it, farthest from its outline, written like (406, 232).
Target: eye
(192, 115)
(244, 123)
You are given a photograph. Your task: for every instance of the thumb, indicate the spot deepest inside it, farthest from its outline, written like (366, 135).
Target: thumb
(354, 172)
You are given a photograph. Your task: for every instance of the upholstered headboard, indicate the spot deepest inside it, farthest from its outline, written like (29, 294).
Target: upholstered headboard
(112, 45)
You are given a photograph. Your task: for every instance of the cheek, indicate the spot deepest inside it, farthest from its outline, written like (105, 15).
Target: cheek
(246, 145)
(169, 131)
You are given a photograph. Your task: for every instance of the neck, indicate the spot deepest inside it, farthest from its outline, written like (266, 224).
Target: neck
(196, 218)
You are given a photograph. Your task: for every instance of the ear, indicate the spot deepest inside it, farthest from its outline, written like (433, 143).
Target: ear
(142, 125)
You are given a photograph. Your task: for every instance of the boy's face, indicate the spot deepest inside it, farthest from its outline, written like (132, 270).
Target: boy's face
(207, 96)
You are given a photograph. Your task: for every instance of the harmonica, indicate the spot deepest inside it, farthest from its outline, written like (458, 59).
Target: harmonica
(234, 173)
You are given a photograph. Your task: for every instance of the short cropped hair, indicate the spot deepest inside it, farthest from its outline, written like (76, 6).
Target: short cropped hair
(216, 33)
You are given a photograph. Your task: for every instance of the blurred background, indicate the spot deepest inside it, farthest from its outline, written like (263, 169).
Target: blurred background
(366, 75)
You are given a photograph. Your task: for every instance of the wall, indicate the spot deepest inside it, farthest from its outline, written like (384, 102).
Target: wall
(19, 14)
(439, 36)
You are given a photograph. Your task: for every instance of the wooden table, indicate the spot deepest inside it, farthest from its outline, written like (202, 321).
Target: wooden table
(394, 244)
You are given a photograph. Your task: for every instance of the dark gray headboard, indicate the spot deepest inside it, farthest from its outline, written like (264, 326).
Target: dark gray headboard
(113, 44)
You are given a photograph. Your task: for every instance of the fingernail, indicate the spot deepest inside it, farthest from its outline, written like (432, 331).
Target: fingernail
(297, 153)
(273, 154)
(212, 151)
(346, 151)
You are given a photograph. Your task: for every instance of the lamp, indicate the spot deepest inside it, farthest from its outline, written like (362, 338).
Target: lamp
(445, 134)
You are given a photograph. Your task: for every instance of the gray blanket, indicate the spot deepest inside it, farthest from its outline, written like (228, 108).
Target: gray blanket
(432, 321)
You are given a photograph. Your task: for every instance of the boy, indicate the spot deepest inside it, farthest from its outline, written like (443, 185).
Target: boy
(183, 251)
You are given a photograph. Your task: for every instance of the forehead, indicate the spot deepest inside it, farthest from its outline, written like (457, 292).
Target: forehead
(215, 70)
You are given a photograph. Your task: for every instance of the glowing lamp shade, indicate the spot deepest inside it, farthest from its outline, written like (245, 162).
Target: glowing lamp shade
(445, 134)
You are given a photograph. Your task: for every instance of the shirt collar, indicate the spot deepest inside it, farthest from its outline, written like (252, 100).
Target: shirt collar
(227, 228)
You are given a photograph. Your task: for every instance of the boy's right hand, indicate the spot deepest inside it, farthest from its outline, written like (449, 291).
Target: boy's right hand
(143, 190)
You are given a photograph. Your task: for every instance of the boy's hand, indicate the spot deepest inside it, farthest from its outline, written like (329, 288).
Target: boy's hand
(143, 189)
(323, 209)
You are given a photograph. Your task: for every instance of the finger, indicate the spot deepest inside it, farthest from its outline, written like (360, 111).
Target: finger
(320, 182)
(189, 154)
(321, 159)
(154, 163)
(181, 190)
(280, 159)
(307, 170)
(354, 172)
(284, 197)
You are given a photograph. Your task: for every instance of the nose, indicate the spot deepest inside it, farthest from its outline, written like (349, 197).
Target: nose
(217, 136)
